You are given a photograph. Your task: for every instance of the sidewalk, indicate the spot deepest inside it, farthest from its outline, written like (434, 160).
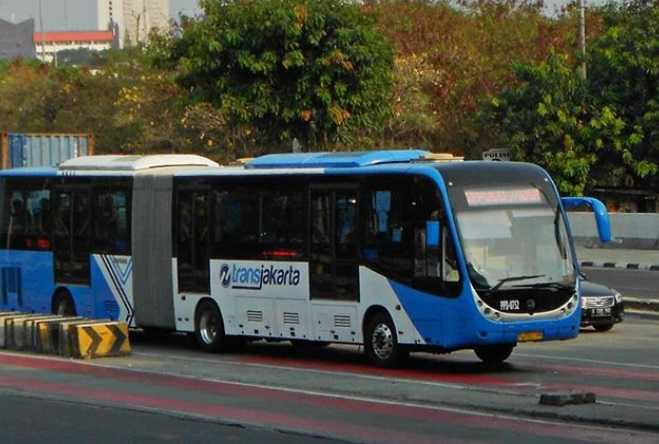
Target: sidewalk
(618, 258)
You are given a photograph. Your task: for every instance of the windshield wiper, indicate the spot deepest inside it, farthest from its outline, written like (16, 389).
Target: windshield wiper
(515, 278)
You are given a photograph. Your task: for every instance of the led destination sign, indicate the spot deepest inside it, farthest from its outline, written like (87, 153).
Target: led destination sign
(481, 198)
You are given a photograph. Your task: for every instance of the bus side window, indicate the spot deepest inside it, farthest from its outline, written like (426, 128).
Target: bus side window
(282, 233)
(112, 221)
(25, 221)
(432, 262)
(236, 219)
(387, 232)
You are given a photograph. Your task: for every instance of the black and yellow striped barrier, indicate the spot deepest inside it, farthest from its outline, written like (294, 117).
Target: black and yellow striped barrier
(75, 337)
(99, 340)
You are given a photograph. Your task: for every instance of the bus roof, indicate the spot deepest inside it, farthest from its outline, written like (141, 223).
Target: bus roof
(334, 160)
(134, 163)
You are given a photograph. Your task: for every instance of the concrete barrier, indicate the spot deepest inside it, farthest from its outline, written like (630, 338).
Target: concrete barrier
(66, 331)
(18, 336)
(100, 340)
(46, 333)
(634, 231)
(76, 337)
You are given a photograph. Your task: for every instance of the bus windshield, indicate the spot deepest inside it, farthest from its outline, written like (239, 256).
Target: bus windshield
(514, 237)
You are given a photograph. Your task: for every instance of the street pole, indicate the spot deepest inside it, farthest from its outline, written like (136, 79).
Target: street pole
(582, 36)
(43, 37)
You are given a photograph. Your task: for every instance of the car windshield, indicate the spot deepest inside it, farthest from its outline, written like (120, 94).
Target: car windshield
(514, 237)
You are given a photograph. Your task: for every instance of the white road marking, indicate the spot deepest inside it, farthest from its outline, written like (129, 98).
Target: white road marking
(589, 361)
(380, 401)
(308, 370)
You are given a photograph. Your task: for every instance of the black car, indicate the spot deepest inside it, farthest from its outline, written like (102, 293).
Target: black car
(601, 306)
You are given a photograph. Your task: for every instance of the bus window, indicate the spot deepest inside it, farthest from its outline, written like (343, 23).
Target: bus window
(334, 270)
(395, 215)
(112, 222)
(346, 225)
(236, 223)
(255, 223)
(438, 264)
(193, 222)
(72, 234)
(26, 216)
(387, 239)
(282, 232)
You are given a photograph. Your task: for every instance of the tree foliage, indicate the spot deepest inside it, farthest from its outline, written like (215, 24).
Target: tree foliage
(276, 70)
(550, 119)
(466, 53)
(599, 131)
(624, 76)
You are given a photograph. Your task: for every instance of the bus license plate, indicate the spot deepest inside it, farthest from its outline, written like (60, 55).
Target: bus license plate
(530, 336)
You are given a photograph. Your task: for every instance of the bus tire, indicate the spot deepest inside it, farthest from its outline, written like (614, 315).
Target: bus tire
(209, 327)
(603, 327)
(63, 304)
(494, 354)
(381, 341)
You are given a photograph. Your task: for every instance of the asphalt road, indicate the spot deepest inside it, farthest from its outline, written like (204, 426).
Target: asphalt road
(167, 390)
(27, 419)
(632, 283)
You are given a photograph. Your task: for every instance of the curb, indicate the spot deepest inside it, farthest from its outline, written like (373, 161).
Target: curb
(643, 305)
(620, 265)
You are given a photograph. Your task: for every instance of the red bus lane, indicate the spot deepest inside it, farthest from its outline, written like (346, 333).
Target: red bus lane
(335, 415)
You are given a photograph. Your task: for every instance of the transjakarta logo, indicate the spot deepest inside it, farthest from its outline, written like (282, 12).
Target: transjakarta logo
(254, 278)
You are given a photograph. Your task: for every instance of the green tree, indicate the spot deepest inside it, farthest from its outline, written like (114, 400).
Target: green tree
(275, 70)
(550, 119)
(624, 76)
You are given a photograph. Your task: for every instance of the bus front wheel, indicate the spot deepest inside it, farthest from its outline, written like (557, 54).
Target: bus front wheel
(209, 328)
(381, 342)
(494, 354)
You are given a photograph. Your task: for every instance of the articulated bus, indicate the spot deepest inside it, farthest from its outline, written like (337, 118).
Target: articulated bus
(388, 249)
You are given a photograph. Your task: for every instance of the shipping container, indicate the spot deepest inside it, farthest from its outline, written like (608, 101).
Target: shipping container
(43, 149)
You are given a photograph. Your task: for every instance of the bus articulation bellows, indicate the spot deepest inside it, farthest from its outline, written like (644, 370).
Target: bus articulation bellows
(389, 249)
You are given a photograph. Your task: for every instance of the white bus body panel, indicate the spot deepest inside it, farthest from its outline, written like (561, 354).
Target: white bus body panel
(281, 309)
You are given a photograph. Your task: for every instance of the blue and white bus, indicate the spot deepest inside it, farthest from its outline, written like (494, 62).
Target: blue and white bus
(388, 249)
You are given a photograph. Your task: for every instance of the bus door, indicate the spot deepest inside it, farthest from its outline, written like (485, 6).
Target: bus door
(334, 265)
(192, 240)
(72, 234)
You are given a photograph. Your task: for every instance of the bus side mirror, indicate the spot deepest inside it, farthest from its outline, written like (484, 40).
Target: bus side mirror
(599, 211)
(432, 233)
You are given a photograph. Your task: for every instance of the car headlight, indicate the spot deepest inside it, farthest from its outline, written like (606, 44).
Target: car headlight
(618, 297)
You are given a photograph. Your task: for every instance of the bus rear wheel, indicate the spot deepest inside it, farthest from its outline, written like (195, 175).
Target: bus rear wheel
(494, 354)
(209, 328)
(381, 342)
(63, 305)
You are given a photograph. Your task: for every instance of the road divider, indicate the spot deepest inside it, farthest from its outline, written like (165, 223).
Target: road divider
(70, 336)
(100, 339)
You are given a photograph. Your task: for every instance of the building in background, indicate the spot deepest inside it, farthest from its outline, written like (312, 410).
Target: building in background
(16, 39)
(134, 19)
(48, 44)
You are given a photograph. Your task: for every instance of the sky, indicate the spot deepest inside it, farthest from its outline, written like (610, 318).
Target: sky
(71, 14)
(81, 14)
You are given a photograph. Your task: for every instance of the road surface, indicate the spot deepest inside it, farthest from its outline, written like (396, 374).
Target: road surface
(168, 390)
(631, 283)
